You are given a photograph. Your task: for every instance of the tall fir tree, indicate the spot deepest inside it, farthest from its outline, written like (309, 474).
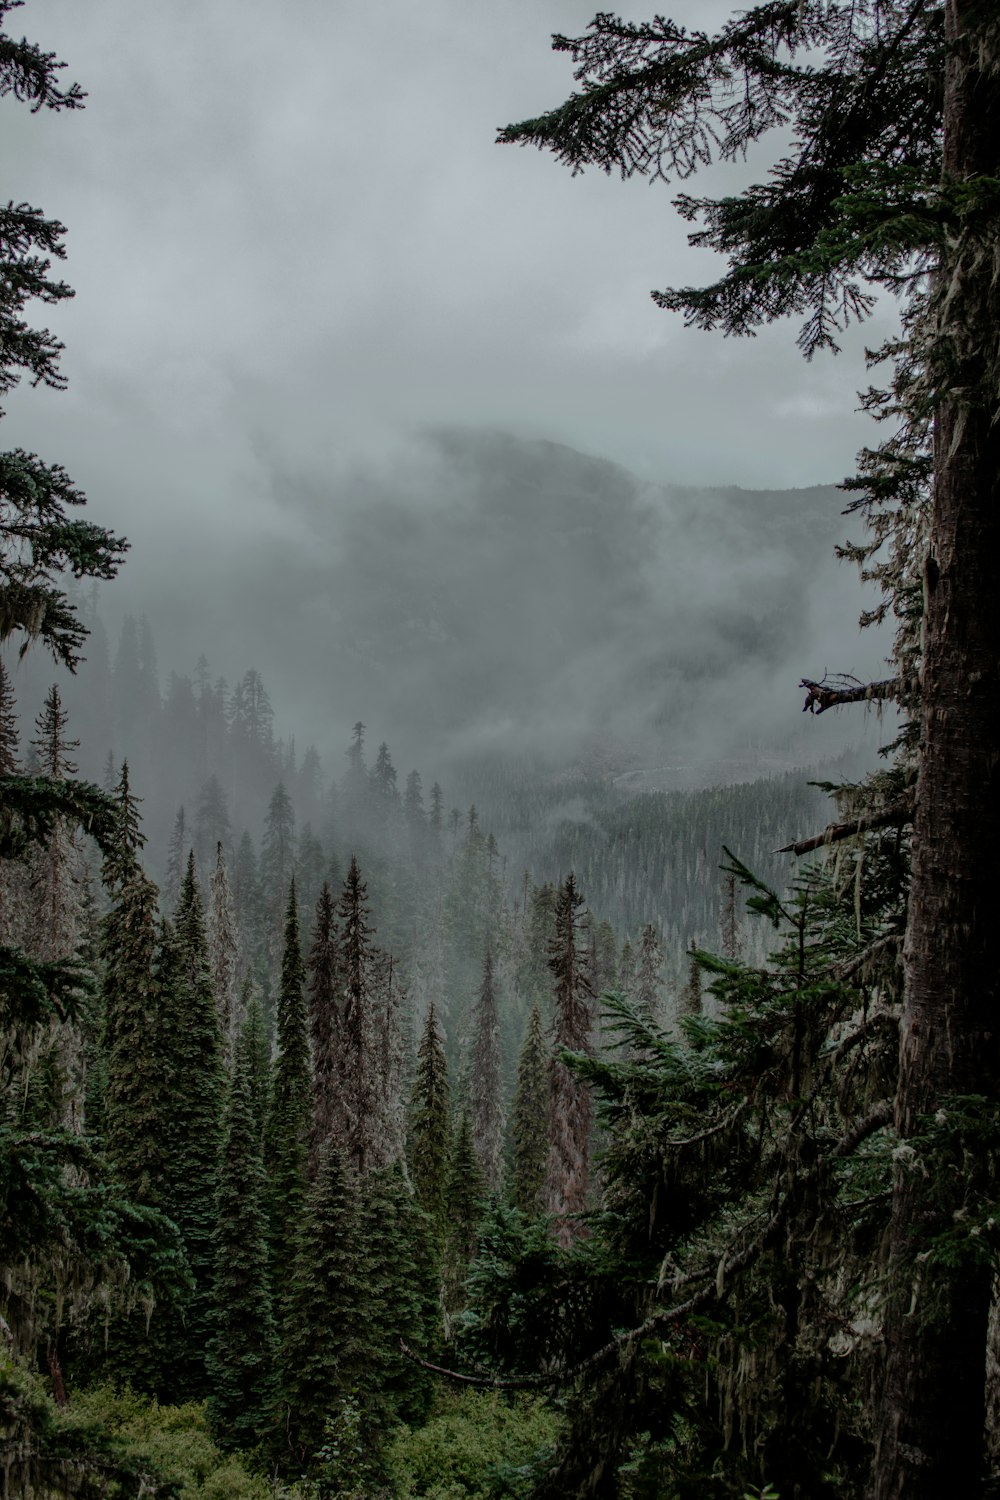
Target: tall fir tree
(277, 866)
(529, 1120)
(242, 1348)
(570, 1110)
(429, 1130)
(648, 977)
(224, 954)
(177, 850)
(194, 1136)
(329, 1124)
(486, 1082)
(325, 1352)
(136, 1102)
(359, 1084)
(464, 1196)
(290, 1109)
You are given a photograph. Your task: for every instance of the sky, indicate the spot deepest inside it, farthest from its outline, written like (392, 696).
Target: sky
(295, 246)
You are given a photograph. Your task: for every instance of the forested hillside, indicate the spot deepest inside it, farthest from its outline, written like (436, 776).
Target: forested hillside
(605, 1100)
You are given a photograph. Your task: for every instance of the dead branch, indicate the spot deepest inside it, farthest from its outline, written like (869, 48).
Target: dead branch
(820, 695)
(895, 816)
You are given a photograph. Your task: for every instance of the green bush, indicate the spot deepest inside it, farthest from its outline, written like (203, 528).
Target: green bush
(471, 1446)
(174, 1441)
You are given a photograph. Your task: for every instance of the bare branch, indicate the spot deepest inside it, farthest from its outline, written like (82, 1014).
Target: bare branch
(895, 816)
(821, 695)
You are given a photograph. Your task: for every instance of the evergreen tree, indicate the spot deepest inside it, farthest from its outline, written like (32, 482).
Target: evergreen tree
(137, 1099)
(242, 1347)
(529, 1120)
(194, 1136)
(892, 111)
(254, 1044)
(486, 1083)
(224, 952)
(277, 866)
(690, 1000)
(53, 928)
(324, 1346)
(176, 860)
(464, 1195)
(291, 1102)
(429, 1130)
(647, 979)
(568, 1172)
(329, 1126)
(247, 901)
(211, 823)
(359, 1084)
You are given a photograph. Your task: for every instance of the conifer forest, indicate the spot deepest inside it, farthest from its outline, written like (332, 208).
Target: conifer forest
(464, 1031)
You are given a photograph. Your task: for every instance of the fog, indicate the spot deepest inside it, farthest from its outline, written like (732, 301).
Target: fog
(386, 410)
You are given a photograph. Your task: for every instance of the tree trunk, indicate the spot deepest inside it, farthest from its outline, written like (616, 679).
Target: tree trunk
(930, 1423)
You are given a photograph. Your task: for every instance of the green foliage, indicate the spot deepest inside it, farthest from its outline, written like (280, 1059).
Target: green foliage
(429, 1130)
(324, 1339)
(472, 1446)
(172, 1443)
(529, 1119)
(290, 1104)
(242, 1348)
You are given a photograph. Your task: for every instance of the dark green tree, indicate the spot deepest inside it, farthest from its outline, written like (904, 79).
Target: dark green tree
(290, 1109)
(242, 1348)
(570, 1112)
(429, 1129)
(464, 1197)
(196, 1076)
(529, 1127)
(324, 1356)
(486, 1083)
(325, 1029)
(889, 180)
(358, 1091)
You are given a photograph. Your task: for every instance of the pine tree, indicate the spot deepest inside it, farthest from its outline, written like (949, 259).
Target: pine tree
(464, 1196)
(356, 950)
(893, 114)
(429, 1130)
(277, 866)
(53, 928)
(137, 1098)
(568, 1172)
(247, 901)
(486, 1083)
(12, 873)
(224, 953)
(329, 1125)
(211, 823)
(690, 1000)
(257, 1049)
(290, 1109)
(648, 979)
(242, 1348)
(194, 1136)
(324, 1347)
(529, 1120)
(176, 860)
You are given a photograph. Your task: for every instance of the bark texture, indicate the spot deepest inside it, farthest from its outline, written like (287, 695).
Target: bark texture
(930, 1437)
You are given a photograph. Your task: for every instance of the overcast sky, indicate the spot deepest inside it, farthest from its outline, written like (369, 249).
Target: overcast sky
(294, 242)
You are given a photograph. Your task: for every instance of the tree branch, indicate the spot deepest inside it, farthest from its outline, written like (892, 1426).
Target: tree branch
(820, 696)
(713, 1291)
(895, 816)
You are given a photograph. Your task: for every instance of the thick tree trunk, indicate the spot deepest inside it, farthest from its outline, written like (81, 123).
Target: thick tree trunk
(930, 1425)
